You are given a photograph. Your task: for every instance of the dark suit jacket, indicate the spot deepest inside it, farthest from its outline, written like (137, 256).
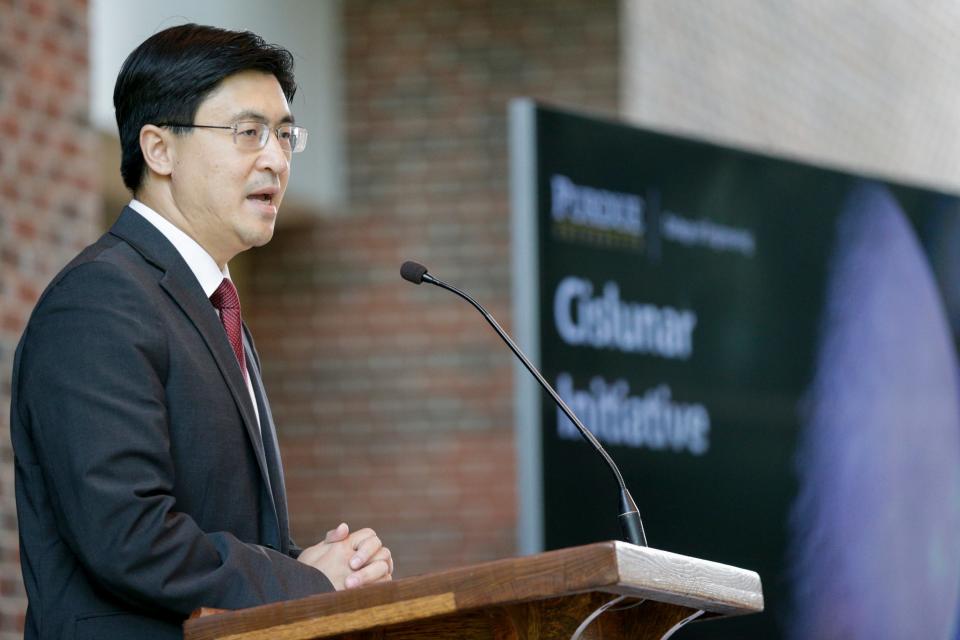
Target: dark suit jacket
(143, 487)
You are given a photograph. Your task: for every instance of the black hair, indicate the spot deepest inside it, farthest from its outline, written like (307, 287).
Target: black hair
(167, 77)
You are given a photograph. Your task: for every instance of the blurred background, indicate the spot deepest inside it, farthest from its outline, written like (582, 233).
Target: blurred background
(395, 406)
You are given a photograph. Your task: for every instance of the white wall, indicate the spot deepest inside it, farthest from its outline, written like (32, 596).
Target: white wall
(870, 86)
(309, 29)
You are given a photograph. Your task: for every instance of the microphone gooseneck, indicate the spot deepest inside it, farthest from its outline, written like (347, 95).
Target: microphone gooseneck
(631, 525)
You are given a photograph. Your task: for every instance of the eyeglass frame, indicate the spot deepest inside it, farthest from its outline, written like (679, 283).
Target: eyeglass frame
(263, 138)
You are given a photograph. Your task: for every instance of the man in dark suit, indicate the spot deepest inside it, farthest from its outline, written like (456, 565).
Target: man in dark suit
(148, 479)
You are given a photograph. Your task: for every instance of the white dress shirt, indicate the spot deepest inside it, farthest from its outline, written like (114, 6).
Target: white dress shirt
(203, 266)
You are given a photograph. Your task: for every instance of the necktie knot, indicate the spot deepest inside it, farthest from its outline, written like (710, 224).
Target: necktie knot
(225, 297)
(226, 300)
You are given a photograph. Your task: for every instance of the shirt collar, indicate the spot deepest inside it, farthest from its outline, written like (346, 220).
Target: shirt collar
(203, 266)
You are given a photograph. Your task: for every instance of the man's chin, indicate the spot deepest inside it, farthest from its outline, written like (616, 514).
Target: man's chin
(259, 237)
(264, 238)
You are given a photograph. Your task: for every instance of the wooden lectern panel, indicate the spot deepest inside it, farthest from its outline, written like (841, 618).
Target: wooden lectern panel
(548, 595)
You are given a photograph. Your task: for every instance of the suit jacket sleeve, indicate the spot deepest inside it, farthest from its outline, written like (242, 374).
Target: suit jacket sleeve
(295, 550)
(91, 387)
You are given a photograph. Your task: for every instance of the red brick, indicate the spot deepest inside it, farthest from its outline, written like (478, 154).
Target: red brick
(38, 10)
(12, 322)
(53, 108)
(78, 57)
(65, 81)
(50, 46)
(21, 36)
(28, 294)
(9, 128)
(9, 191)
(23, 100)
(24, 230)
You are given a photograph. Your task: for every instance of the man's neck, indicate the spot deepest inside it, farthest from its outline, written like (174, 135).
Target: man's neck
(165, 207)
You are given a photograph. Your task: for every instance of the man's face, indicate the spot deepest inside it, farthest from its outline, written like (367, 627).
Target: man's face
(228, 195)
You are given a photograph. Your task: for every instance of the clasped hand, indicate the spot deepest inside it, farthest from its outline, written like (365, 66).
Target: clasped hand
(350, 560)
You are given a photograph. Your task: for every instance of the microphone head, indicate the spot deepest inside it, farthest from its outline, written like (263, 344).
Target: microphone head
(413, 271)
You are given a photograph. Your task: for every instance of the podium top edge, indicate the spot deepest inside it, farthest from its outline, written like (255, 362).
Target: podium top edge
(702, 584)
(610, 567)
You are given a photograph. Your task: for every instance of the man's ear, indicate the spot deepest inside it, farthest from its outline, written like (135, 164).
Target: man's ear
(156, 144)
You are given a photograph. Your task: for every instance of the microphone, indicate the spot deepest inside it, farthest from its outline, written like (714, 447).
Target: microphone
(631, 526)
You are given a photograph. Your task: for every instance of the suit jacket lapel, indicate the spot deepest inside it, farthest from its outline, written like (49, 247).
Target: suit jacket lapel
(269, 434)
(180, 283)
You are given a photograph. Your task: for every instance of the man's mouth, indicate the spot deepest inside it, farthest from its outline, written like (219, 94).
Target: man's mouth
(265, 196)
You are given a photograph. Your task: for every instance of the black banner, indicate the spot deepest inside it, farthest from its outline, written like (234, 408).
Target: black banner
(748, 337)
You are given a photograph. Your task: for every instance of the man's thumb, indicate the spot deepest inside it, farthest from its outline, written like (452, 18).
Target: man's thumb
(338, 534)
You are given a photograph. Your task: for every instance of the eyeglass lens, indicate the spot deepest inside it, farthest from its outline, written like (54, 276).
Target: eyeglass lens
(254, 135)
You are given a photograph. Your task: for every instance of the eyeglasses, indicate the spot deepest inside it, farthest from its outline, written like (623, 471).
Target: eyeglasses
(254, 135)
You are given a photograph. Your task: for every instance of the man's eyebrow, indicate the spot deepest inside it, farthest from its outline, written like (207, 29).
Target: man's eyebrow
(255, 116)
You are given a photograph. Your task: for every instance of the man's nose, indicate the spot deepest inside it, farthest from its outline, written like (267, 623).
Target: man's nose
(273, 157)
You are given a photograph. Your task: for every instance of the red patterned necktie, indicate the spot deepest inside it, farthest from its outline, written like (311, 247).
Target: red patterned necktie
(226, 300)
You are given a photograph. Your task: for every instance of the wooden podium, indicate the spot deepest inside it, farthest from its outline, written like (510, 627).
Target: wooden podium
(608, 590)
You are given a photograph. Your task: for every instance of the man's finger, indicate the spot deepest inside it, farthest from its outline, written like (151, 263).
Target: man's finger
(360, 535)
(385, 555)
(340, 533)
(369, 574)
(366, 543)
(382, 555)
(367, 549)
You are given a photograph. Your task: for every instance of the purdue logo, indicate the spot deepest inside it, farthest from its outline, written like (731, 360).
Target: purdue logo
(596, 215)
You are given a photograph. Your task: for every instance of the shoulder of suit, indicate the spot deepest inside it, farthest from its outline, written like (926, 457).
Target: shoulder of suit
(113, 256)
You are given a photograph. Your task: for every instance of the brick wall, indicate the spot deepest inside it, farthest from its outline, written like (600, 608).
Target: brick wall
(49, 207)
(394, 402)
